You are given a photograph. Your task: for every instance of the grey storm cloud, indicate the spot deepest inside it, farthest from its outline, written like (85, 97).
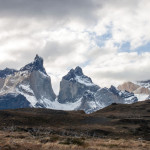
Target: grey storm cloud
(61, 9)
(55, 9)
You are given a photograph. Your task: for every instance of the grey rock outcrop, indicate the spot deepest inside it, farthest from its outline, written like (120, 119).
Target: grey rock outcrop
(13, 101)
(32, 82)
(41, 86)
(31, 87)
(36, 65)
(6, 72)
(2, 81)
(73, 86)
(88, 103)
(144, 83)
(127, 97)
(128, 86)
(141, 89)
(103, 97)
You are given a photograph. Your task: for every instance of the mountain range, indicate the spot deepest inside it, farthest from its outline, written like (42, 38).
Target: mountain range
(141, 89)
(31, 87)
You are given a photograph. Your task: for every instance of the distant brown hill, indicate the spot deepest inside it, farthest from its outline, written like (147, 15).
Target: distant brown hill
(134, 88)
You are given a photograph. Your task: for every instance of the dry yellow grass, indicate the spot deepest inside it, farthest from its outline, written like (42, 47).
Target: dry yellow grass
(25, 141)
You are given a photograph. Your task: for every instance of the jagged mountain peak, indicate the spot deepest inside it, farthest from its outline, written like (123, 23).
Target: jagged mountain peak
(144, 83)
(77, 91)
(78, 71)
(114, 90)
(78, 76)
(140, 88)
(113, 87)
(88, 95)
(38, 59)
(6, 71)
(37, 64)
(74, 84)
(32, 82)
(73, 73)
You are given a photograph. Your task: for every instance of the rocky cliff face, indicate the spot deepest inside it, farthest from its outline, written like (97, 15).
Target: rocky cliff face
(31, 81)
(103, 97)
(142, 90)
(88, 103)
(128, 86)
(31, 87)
(134, 88)
(2, 81)
(6, 72)
(36, 65)
(127, 97)
(73, 86)
(13, 101)
(144, 83)
(76, 87)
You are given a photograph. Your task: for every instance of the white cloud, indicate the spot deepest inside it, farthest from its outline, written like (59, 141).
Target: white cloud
(71, 33)
(116, 68)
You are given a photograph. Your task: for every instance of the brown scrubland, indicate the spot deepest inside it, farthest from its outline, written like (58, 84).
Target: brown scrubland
(117, 127)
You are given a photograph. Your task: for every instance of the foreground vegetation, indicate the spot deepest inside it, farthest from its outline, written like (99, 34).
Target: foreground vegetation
(26, 141)
(117, 127)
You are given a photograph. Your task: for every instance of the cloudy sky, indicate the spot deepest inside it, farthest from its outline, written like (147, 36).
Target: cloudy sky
(109, 39)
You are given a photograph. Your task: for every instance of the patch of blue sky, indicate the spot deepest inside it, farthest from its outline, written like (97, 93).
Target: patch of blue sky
(143, 48)
(100, 40)
(126, 47)
(85, 63)
(82, 65)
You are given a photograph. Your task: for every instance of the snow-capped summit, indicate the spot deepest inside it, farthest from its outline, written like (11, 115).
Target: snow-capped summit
(32, 82)
(76, 87)
(76, 75)
(36, 65)
(114, 90)
(31, 87)
(6, 72)
(103, 97)
(128, 97)
(145, 88)
(73, 73)
(145, 83)
(74, 84)
(78, 71)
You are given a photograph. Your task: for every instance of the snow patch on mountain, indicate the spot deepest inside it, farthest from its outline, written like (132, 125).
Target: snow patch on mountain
(36, 65)
(129, 100)
(145, 83)
(6, 72)
(77, 91)
(27, 92)
(142, 97)
(84, 80)
(59, 106)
